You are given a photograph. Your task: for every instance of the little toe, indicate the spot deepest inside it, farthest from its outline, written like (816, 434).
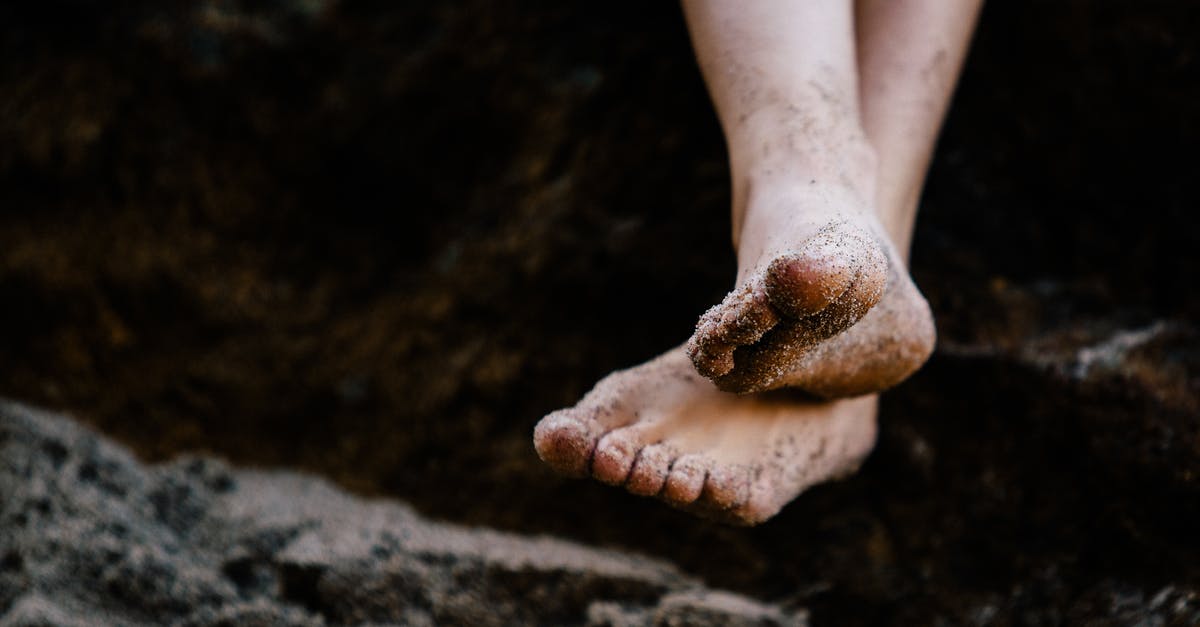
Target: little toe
(615, 454)
(741, 318)
(710, 358)
(565, 441)
(763, 501)
(686, 480)
(650, 470)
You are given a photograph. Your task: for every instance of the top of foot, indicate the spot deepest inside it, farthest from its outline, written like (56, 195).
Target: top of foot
(661, 430)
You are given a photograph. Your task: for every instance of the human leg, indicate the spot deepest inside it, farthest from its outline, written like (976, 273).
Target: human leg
(783, 77)
(661, 430)
(910, 53)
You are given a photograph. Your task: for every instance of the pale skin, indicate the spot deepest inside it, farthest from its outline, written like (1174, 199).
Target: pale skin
(830, 109)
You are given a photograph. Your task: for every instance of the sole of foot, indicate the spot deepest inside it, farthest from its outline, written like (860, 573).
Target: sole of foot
(891, 342)
(661, 430)
(812, 265)
(836, 315)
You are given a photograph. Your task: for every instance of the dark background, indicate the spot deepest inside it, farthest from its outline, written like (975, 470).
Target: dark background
(379, 240)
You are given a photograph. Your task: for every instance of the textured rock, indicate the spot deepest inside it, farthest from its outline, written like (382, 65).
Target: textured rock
(91, 536)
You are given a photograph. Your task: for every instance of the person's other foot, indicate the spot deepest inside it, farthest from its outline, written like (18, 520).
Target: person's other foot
(661, 430)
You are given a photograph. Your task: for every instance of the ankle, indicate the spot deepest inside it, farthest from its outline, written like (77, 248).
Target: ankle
(848, 168)
(896, 204)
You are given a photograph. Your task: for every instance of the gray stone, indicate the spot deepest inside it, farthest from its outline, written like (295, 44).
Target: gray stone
(93, 536)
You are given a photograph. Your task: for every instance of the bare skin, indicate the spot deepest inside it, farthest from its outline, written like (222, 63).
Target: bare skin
(660, 429)
(811, 259)
(822, 227)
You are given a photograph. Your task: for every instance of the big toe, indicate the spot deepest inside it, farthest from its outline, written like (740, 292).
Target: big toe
(837, 260)
(565, 442)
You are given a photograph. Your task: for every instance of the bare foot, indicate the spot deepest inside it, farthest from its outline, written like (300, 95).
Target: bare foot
(661, 430)
(824, 302)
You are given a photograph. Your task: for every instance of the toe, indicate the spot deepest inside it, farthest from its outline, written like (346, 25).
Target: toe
(711, 358)
(650, 470)
(615, 454)
(742, 318)
(762, 503)
(686, 480)
(806, 282)
(565, 442)
(727, 487)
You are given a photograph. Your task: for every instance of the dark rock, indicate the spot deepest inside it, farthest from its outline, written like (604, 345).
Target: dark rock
(194, 542)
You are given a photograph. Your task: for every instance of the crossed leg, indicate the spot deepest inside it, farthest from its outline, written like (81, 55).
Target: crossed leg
(830, 111)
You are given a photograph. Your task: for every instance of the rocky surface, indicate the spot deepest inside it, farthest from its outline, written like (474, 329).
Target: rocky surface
(377, 242)
(93, 537)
